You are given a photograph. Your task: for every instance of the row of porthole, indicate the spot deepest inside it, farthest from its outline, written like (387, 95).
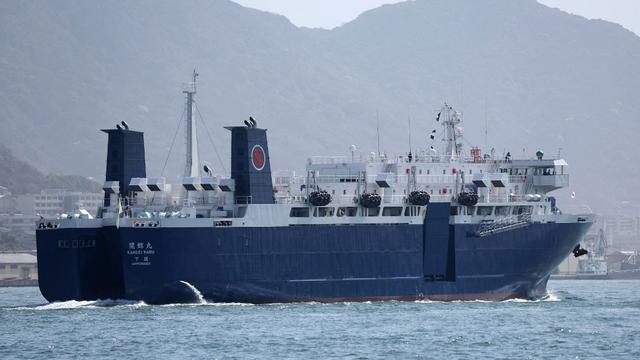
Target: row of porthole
(48, 225)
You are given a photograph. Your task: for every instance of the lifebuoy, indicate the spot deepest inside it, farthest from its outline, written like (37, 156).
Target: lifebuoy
(420, 198)
(319, 198)
(468, 198)
(370, 200)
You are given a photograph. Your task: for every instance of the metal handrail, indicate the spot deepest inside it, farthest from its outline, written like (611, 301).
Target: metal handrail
(504, 224)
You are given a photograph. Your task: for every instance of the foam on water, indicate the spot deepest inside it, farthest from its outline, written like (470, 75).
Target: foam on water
(107, 303)
(87, 304)
(205, 303)
(425, 301)
(550, 297)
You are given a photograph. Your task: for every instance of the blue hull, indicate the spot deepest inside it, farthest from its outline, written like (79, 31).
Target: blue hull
(324, 263)
(80, 264)
(354, 263)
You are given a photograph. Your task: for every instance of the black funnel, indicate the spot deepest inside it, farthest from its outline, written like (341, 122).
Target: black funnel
(125, 158)
(250, 166)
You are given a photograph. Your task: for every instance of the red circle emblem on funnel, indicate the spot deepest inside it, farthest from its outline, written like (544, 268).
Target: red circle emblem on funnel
(257, 157)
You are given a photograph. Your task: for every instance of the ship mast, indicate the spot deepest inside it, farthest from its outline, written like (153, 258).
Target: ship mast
(192, 164)
(453, 133)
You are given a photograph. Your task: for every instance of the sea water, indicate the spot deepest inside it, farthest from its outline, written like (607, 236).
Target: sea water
(578, 320)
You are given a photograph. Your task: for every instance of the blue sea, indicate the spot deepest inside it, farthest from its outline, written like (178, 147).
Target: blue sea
(578, 320)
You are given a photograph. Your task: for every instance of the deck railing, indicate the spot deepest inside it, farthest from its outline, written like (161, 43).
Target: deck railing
(504, 224)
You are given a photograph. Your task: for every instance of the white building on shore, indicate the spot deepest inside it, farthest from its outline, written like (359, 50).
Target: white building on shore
(18, 266)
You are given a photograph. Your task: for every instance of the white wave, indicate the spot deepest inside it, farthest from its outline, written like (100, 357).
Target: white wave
(196, 292)
(518, 300)
(550, 297)
(425, 301)
(118, 302)
(206, 303)
(85, 304)
(64, 305)
(226, 304)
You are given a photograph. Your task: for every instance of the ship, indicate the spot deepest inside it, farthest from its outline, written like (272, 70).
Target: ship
(438, 223)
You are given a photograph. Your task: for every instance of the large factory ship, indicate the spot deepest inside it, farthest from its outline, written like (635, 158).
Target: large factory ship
(440, 223)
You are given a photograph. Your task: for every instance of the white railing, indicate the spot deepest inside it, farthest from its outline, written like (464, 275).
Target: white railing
(328, 160)
(426, 158)
(420, 179)
(286, 199)
(331, 179)
(420, 157)
(518, 178)
(352, 200)
(504, 224)
(561, 180)
(440, 198)
(575, 209)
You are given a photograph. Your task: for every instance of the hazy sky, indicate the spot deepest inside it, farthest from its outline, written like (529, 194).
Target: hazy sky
(332, 13)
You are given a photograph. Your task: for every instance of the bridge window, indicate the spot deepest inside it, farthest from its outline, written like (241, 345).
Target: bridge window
(349, 179)
(485, 210)
(347, 211)
(392, 211)
(299, 212)
(323, 212)
(518, 210)
(502, 210)
(412, 211)
(372, 211)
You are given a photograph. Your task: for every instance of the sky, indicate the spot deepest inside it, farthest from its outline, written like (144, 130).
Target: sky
(331, 13)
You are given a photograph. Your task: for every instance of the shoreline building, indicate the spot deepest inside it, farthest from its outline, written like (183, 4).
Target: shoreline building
(53, 202)
(18, 267)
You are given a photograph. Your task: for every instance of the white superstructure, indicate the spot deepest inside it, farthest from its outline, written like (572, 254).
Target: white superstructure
(508, 192)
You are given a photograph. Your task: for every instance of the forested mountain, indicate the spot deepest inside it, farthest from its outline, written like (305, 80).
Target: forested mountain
(21, 177)
(526, 77)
